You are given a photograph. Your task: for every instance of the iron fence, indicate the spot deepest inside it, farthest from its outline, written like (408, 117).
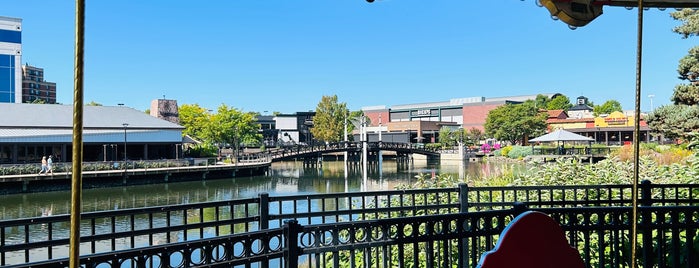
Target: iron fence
(330, 226)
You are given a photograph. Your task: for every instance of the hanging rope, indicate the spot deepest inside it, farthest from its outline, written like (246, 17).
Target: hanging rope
(636, 137)
(76, 185)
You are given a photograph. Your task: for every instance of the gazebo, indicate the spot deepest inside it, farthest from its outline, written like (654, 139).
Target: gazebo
(561, 136)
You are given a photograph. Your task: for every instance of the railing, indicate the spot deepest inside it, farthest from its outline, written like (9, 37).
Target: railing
(298, 150)
(572, 151)
(335, 216)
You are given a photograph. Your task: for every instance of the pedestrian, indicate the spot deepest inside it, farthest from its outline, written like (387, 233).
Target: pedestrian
(44, 166)
(49, 163)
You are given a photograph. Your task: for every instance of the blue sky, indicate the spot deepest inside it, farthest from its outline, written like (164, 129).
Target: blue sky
(284, 55)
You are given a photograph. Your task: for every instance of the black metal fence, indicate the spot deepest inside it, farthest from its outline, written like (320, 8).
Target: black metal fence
(433, 227)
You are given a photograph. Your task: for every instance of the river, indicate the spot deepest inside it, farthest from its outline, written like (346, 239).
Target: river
(284, 178)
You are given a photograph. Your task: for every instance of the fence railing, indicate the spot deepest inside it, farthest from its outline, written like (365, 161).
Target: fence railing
(44, 239)
(596, 151)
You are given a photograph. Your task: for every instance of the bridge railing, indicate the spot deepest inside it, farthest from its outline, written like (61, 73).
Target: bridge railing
(45, 238)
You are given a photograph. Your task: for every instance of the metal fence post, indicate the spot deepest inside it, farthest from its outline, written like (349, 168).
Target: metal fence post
(263, 212)
(463, 197)
(645, 203)
(463, 208)
(291, 243)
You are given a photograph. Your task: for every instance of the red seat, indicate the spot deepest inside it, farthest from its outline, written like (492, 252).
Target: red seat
(532, 239)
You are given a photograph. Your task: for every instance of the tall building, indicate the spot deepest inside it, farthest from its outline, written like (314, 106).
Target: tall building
(34, 87)
(10, 59)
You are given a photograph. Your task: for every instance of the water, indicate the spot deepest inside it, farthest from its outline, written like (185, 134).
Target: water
(285, 178)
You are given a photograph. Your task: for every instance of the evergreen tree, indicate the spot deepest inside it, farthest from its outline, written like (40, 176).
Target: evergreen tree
(682, 117)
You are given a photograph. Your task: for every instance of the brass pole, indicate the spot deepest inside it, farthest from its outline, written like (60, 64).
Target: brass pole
(76, 186)
(636, 137)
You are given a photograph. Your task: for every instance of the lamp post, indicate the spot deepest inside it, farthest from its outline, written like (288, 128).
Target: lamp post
(125, 157)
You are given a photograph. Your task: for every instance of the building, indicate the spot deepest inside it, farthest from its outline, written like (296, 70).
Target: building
(613, 129)
(268, 129)
(294, 128)
(30, 131)
(421, 121)
(34, 87)
(10, 60)
(165, 110)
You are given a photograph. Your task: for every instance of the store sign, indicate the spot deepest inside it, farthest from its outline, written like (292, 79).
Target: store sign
(424, 112)
(615, 121)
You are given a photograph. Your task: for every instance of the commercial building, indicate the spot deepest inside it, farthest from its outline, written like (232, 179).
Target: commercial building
(421, 122)
(293, 128)
(110, 133)
(35, 88)
(615, 128)
(10, 60)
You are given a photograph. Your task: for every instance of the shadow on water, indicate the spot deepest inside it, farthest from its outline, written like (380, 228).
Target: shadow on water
(285, 178)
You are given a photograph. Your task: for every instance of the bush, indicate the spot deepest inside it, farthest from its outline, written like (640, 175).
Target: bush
(519, 152)
(505, 150)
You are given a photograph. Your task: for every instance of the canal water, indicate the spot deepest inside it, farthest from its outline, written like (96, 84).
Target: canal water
(284, 178)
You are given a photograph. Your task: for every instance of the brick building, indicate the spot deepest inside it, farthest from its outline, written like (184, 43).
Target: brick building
(425, 119)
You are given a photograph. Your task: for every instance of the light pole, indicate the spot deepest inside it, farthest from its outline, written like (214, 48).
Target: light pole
(125, 157)
(651, 96)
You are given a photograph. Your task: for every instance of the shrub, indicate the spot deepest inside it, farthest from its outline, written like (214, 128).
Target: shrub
(505, 150)
(519, 152)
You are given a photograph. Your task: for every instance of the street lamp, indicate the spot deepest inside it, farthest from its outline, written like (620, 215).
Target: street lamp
(651, 96)
(125, 163)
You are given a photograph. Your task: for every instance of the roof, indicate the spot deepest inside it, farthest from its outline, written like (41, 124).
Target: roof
(580, 107)
(561, 135)
(556, 113)
(26, 115)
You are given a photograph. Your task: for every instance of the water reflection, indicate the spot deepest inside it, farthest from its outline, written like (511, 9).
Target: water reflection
(285, 178)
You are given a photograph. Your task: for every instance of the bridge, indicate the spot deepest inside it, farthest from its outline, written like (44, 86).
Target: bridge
(309, 151)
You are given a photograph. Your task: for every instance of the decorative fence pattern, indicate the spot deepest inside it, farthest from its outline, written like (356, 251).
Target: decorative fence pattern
(434, 227)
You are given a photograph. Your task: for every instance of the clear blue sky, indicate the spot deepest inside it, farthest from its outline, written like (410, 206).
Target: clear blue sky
(284, 55)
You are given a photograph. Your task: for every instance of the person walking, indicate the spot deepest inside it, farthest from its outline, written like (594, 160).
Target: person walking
(44, 166)
(49, 164)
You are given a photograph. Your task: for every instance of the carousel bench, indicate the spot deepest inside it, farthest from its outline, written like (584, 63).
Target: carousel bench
(532, 239)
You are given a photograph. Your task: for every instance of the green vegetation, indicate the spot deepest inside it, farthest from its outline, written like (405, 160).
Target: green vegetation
(515, 123)
(329, 121)
(607, 107)
(682, 117)
(228, 127)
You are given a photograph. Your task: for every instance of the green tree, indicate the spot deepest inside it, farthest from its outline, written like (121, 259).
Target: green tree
(607, 107)
(474, 135)
(560, 102)
(230, 126)
(447, 137)
(541, 101)
(329, 120)
(515, 122)
(194, 119)
(93, 103)
(682, 117)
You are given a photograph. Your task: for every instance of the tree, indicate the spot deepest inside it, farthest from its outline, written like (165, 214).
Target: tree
(194, 119)
(560, 102)
(329, 120)
(541, 101)
(474, 135)
(681, 118)
(447, 137)
(607, 107)
(230, 126)
(515, 122)
(93, 103)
